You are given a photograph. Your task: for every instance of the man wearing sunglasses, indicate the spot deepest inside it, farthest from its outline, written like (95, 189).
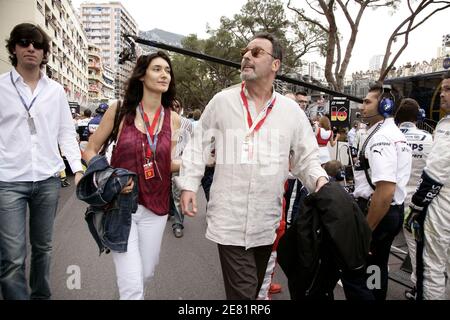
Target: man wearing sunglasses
(35, 118)
(256, 130)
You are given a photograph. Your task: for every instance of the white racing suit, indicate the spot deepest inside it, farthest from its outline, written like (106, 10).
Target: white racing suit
(436, 242)
(420, 142)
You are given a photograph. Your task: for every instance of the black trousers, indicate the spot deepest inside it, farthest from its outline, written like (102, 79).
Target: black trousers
(355, 282)
(243, 270)
(207, 181)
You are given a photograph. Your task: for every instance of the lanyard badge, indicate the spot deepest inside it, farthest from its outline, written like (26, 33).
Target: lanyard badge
(149, 152)
(248, 154)
(30, 120)
(149, 171)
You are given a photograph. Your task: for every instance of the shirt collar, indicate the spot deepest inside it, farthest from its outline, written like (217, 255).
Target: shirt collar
(372, 128)
(16, 76)
(268, 101)
(407, 124)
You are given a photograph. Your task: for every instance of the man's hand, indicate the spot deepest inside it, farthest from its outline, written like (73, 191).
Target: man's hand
(320, 183)
(78, 176)
(188, 198)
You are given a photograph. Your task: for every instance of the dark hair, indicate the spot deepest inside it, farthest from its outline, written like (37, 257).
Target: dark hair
(277, 49)
(176, 104)
(386, 93)
(31, 32)
(303, 93)
(87, 113)
(407, 111)
(135, 87)
(333, 168)
(196, 114)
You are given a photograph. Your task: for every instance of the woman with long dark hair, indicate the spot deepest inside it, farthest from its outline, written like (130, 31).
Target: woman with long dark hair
(144, 146)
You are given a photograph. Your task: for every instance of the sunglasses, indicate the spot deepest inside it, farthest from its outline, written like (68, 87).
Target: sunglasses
(25, 43)
(255, 51)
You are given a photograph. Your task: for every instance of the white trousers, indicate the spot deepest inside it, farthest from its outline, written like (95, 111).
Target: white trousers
(136, 267)
(436, 253)
(264, 290)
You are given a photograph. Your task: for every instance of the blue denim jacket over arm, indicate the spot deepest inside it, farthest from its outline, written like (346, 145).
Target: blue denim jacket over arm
(109, 213)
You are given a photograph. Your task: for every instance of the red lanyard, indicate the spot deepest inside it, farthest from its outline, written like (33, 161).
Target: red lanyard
(150, 130)
(249, 117)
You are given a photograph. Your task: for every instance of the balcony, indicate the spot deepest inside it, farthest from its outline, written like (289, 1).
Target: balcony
(94, 88)
(94, 65)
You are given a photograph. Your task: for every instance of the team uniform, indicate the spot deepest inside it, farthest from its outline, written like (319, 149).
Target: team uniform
(420, 142)
(387, 157)
(432, 200)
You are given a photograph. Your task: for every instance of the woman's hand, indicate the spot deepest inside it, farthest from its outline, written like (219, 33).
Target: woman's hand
(129, 187)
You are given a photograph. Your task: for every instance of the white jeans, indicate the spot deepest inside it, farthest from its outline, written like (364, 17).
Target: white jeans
(136, 267)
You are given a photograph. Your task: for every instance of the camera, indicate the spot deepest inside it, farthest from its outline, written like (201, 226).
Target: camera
(335, 131)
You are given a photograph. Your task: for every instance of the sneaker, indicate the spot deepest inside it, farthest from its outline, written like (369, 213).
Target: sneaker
(178, 232)
(275, 288)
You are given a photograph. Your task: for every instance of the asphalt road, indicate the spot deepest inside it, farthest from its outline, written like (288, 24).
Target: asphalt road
(189, 267)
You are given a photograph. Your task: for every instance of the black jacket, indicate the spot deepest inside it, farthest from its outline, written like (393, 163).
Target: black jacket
(331, 234)
(109, 213)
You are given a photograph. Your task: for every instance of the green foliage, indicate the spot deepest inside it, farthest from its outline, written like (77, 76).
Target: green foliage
(198, 81)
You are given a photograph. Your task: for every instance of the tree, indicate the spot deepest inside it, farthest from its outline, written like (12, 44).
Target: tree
(406, 27)
(197, 81)
(323, 13)
(296, 37)
(327, 11)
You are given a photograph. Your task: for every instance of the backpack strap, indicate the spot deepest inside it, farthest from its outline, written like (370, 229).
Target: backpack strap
(364, 161)
(115, 131)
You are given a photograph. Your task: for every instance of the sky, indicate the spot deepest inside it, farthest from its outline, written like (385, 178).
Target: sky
(186, 17)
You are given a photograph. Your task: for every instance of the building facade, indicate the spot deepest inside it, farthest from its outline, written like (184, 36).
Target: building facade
(101, 79)
(104, 24)
(68, 60)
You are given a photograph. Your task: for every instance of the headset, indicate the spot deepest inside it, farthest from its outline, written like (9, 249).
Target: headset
(421, 115)
(340, 175)
(386, 104)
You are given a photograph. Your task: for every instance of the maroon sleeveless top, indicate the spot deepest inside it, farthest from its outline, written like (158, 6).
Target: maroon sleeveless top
(128, 154)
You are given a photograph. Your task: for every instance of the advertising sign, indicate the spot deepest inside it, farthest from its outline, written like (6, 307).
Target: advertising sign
(339, 112)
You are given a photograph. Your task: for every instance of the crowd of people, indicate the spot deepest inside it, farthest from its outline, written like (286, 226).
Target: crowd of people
(253, 150)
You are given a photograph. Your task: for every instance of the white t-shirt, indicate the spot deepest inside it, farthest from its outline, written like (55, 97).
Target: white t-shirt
(389, 157)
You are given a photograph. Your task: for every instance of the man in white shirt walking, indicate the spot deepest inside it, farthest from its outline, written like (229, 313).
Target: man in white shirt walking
(34, 119)
(255, 131)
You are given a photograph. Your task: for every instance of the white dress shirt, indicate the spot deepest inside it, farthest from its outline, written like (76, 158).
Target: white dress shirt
(35, 157)
(246, 198)
(389, 157)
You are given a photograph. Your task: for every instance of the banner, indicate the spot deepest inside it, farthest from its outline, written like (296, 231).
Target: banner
(339, 112)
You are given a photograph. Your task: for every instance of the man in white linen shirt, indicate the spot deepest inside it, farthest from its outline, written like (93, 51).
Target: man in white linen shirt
(255, 129)
(34, 119)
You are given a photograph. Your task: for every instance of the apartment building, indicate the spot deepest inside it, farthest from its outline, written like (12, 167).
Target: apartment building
(68, 61)
(101, 79)
(104, 24)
